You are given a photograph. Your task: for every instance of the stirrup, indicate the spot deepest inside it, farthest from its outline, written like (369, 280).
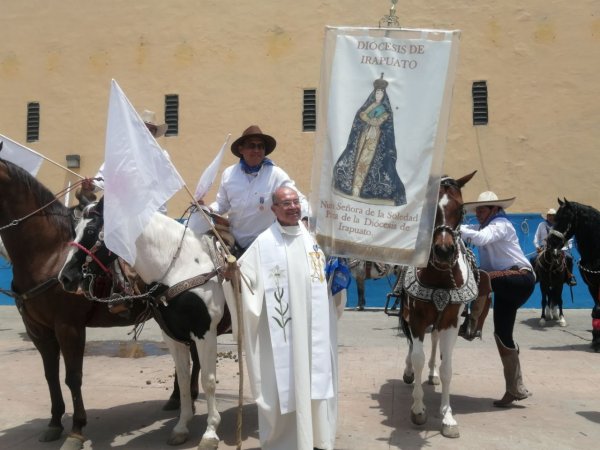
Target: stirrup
(572, 281)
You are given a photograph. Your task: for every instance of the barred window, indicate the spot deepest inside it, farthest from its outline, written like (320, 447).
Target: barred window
(33, 121)
(480, 103)
(172, 114)
(309, 111)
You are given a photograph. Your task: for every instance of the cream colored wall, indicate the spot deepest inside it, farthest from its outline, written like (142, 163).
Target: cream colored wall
(237, 63)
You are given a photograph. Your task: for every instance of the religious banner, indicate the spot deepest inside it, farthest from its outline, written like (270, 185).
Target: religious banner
(382, 116)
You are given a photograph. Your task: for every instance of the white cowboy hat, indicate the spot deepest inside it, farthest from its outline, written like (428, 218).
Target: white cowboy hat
(550, 212)
(488, 198)
(149, 118)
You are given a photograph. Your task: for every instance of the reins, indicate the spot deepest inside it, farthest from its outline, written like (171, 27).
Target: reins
(16, 222)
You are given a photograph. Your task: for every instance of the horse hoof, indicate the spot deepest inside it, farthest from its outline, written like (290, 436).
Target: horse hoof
(542, 322)
(418, 419)
(73, 442)
(51, 434)
(450, 431)
(359, 308)
(172, 404)
(562, 322)
(434, 380)
(177, 438)
(408, 379)
(208, 444)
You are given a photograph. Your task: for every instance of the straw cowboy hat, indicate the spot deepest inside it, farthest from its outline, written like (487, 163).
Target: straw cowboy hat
(550, 212)
(250, 132)
(149, 118)
(488, 198)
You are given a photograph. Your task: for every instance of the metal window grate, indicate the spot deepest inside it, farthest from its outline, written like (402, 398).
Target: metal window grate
(309, 112)
(172, 114)
(33, 121)
(480, 103)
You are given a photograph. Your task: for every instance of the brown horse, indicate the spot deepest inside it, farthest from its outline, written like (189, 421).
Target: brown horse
(435, 296)
(35, 229)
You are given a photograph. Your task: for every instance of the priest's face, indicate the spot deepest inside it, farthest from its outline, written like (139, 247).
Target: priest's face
(286, 206)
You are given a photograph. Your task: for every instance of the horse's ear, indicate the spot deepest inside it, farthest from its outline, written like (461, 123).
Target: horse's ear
(560, 202)
(464, 180)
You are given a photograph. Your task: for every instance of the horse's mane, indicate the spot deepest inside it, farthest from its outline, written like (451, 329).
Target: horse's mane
(586, 232)
(57, 213)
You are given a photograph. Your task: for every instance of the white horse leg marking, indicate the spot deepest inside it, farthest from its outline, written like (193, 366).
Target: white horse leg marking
(447, 342)
(207, 350)
(181, 356)
(434, 376)
(418, 414)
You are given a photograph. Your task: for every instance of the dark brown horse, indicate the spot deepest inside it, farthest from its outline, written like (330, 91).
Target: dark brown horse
(35, 229)
(435, 296)
(583, 222)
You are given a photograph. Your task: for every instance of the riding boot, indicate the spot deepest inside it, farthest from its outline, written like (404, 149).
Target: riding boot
(515, 389)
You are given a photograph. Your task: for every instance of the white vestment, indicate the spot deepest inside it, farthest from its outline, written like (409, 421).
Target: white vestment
(295, 386)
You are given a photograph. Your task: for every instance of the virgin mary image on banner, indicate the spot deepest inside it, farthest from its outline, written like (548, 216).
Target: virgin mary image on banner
(366, 170)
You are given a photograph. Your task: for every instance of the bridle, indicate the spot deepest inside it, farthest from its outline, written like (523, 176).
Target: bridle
(453, 231)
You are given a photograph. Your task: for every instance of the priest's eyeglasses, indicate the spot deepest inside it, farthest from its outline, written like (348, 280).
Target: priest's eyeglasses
(254, 145)
(288, 203)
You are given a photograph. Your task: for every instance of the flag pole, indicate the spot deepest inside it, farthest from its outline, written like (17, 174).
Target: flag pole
(233, 270)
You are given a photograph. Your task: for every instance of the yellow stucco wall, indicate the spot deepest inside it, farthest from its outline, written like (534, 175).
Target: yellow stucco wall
(237, 63)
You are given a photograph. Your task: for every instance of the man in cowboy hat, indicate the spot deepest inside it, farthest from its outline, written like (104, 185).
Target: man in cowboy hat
(246, 187)
(512, 280)
(89, 186)
(539, 241)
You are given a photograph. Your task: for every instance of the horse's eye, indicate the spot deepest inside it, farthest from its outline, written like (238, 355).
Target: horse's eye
(90, 231)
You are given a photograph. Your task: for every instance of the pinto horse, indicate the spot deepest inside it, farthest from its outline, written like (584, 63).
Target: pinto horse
(435, 296)
(551, 272)
(583, 222)
(35, 230)
(188, 298)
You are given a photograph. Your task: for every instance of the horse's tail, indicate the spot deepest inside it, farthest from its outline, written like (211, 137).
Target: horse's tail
(406, 329)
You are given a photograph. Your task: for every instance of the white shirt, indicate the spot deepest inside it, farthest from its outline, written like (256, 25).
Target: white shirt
(247, 199)
(498, 244)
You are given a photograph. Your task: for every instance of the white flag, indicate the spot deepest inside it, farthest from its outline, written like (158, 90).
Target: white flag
(138, 176)
(20, 155)
(210, 173)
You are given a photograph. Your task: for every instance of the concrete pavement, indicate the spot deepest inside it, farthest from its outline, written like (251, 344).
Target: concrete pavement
(124, 394)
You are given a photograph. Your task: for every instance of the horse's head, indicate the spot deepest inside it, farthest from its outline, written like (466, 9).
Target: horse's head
(449, 215)
(89, 257)
(564, 225)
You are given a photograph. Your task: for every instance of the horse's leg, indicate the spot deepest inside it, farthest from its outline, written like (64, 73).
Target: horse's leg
(447, 342)
(409, 373)
(72, 344)
(360, 289)
(418, 414)
(181, 357)
(207, 350)
(559, 302)
(49, 350)
(434, 376)
(194, 384)
(173, 403)
(546, 312)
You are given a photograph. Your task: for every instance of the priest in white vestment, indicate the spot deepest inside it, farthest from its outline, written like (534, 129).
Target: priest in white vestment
(290, 333)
